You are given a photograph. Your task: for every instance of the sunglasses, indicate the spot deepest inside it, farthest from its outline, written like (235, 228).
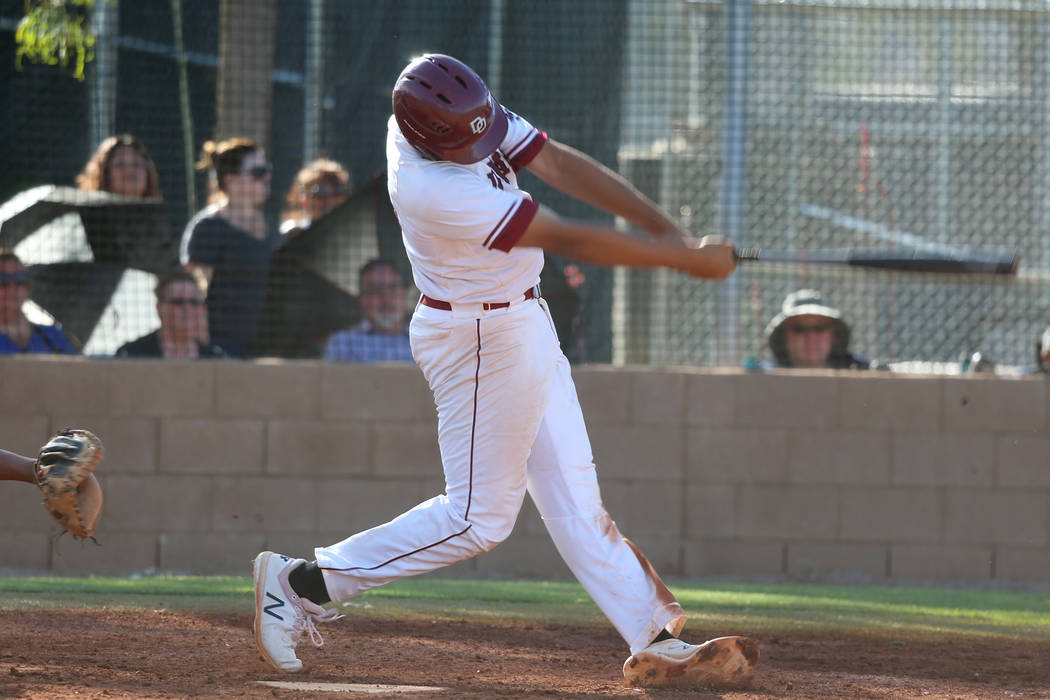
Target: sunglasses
(14, 278)
(184, 302)
(809, 328)
(258, 171)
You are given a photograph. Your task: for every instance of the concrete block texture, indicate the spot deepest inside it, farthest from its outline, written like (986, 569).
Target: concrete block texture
(1022, 565)
(881, 514)
(163, 387)
(838, 457)
(315, 448)
(740, 558)
(710, 511)
(24, 434)
(145, 503)
(787, 512)
(1023, 460)
(267, 389)
(405, 449)
(264, 504)
(212, 446)
(212, 554)
(932, 563)
(710, 399)
(853, 476)
(999, 516)
(728, 456)
(374, 392)
(25, 552)
(787, 399)
(657, 397)
(605, 396)
(874, 401)
(943, 459)
(45, 384)
(627, 451)
(981, 403)
(853, 561)
(23, 511)
(644, 507)
(120, 554)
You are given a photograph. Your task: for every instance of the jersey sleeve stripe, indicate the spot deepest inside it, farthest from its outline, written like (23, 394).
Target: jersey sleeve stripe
(515, 227)
(523, 152)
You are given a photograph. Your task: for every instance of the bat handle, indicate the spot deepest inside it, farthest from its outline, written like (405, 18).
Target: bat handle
(747, 253)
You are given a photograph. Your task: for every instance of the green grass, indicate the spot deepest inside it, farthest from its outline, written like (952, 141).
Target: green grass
(890, 612)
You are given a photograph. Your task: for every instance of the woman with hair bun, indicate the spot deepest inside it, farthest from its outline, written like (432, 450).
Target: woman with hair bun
(228, 244)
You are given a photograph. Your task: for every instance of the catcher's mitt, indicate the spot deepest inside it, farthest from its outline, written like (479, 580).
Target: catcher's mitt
(63, 471)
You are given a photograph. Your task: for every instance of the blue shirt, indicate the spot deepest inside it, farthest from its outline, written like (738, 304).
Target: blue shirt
(45, 340)
(362, 343)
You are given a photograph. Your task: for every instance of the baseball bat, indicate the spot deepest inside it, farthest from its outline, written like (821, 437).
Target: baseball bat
(974, 263)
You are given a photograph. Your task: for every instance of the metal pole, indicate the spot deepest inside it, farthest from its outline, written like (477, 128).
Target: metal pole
(104, 76)
(313, 81)
(734, 170)
(494, 77)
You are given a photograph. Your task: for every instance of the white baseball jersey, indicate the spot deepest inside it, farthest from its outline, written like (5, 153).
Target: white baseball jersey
(509, 420)
(460, 222)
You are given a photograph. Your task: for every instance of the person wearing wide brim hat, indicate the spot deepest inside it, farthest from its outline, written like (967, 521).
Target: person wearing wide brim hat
(1042, 352)
(809, 333)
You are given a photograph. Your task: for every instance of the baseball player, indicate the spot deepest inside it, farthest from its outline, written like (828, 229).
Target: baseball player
(16, 467)
(508, 416)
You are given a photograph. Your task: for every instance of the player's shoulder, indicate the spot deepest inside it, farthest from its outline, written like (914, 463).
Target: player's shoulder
(427, 184)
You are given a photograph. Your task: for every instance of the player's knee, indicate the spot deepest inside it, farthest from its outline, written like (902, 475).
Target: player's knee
(490, 531)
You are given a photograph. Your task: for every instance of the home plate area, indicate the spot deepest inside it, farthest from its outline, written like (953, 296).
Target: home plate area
(366, 688)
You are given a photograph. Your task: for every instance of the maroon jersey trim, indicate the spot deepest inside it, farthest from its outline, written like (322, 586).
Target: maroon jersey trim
(519, 159)
(514, 229)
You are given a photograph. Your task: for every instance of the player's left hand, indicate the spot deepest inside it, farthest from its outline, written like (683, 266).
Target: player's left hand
(714, 258)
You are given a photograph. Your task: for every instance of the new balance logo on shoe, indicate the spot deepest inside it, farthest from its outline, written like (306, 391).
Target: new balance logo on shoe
(268, 609)
(280, 620)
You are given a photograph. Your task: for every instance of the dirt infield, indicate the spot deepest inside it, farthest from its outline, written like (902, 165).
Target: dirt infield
(162, 654)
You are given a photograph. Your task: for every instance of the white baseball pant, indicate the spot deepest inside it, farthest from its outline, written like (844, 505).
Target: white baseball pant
(508, 419)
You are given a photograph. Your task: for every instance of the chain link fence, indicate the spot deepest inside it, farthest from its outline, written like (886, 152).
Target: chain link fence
(790, 126)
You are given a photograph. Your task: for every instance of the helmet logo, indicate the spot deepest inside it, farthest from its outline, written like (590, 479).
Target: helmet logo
(478, 125)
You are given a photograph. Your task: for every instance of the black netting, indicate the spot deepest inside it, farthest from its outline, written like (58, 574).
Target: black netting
(791, 126)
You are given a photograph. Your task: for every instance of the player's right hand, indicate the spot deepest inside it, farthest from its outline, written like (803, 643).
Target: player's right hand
(715, 258)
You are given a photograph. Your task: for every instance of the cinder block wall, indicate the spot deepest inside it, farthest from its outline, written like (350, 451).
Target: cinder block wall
(807, 476)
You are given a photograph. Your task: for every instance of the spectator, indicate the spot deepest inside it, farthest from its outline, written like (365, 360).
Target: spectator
(17, 334)
(382, 336)
(320, 186)
(807, 333)
(183, 332)
(229, 243)
(121, 165)
(1042, 352)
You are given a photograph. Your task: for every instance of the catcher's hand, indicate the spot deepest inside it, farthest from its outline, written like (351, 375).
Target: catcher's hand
(63, 471)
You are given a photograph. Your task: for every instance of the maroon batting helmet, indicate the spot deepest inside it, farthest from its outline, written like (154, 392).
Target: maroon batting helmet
(445, 110)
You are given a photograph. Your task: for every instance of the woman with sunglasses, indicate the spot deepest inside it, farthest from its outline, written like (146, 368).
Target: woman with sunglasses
(183, 332)
(17, 333)
(229, 243)
(319, 187)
